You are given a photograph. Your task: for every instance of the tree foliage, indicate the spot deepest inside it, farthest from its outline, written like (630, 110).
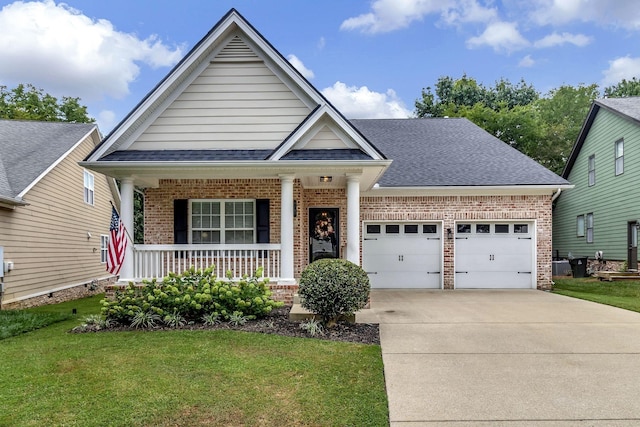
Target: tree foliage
(542, 127)
(623, 89)
(26, 102)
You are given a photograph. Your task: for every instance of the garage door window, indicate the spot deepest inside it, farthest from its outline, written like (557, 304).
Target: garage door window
(502, 228)
(392, 229)
(411, 229)
(373, 229)
(520, 228)
(464, 228)
(429, 228)
(483, 228)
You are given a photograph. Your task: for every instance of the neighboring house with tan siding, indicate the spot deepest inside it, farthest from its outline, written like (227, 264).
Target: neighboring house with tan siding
(54, 214)
(245, 164)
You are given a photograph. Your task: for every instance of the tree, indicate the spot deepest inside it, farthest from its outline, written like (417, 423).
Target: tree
(623, 89)
(562, 112)
(26, 102)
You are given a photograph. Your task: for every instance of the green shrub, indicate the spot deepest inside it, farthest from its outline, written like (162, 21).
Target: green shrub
(191, 295)
(332, 288)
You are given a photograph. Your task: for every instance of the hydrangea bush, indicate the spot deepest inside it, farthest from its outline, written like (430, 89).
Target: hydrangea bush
(190, 297)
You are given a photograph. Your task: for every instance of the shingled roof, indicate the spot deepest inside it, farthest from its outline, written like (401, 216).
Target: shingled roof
(449, 152)
(29, 148)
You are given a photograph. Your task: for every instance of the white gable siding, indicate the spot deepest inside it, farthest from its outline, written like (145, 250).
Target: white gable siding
(231, 105)
(326, 139)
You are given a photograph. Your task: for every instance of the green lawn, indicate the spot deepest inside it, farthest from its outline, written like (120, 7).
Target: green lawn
(185, 378)
(623, 294)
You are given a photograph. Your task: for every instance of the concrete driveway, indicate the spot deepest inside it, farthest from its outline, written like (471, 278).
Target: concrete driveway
(506, 358)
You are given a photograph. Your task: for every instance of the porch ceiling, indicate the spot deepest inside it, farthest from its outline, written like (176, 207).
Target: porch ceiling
(148, 174)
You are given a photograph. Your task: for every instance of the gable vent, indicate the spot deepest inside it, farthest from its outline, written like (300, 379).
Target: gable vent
(237, 50)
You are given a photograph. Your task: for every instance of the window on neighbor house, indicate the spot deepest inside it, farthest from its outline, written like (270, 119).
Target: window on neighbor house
(104, 248)
(580, 226)
(592, 170)
(589, 228)
(619, 156)
(88, 188)
(222, 221)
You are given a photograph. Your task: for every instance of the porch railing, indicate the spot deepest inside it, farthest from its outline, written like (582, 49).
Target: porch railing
(158, 260)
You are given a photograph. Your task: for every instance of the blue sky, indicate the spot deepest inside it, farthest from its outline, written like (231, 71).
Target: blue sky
(370, 58)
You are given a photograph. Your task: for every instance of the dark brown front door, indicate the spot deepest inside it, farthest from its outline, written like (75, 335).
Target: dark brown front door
(632, 239)
(324, 239)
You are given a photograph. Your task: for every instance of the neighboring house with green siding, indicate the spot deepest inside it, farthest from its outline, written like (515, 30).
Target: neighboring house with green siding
(602, 211)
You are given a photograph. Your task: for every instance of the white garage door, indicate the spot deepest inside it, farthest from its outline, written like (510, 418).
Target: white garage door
(494, 255)
(402, 255)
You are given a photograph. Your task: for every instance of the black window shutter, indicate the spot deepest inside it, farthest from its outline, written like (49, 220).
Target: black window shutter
(181, 221)
(262, 220)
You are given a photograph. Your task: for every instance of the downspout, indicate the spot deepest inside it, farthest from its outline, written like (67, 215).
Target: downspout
(556, 195)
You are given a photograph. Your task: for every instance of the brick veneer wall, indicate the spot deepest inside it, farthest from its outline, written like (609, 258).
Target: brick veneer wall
(454, 208)
(159, 214)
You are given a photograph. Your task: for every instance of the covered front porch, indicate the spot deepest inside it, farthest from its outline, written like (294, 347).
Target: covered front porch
(280, 245)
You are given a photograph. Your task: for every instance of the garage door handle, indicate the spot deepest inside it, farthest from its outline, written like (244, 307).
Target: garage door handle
(462, 272)
(524, 238)
(370, 238)
(372, 272)
(433, 238)
(433, 272)
(460, 238)
(524, 272)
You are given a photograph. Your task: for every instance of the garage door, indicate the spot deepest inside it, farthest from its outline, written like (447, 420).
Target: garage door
(402, 255)
(494, 255)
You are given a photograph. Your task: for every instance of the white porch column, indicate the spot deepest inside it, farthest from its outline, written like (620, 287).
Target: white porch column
(126, 216)
(286, 229)
(353, 219)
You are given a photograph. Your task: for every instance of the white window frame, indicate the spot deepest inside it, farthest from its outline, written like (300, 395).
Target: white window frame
(589, 225)
(580, 226)
(619, 152)
(104, 248)
(89, 188)
(222, 228)
(592, 170)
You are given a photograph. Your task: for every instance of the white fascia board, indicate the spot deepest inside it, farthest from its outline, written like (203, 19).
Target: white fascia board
(499, 190)
(58, 160)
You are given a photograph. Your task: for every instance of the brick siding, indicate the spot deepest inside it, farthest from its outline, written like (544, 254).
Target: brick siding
(159, 214)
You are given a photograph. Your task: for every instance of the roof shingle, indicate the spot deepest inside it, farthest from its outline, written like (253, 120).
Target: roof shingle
(28, 148)
(449, 152)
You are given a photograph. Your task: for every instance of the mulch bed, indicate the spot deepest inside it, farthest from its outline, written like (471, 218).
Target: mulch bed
(277, 322)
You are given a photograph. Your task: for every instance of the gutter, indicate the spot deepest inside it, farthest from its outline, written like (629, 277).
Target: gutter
(556, 195)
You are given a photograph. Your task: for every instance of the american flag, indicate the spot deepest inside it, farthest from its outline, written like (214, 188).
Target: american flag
(117, 243)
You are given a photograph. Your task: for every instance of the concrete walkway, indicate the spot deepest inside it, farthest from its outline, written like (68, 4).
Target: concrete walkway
(506, 358)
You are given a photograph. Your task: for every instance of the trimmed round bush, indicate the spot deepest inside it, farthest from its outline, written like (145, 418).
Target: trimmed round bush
(332, 288)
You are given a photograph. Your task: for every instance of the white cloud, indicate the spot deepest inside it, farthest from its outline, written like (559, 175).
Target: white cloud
(106, 120)
(56, 47)
(619, 13)
(625, 67)
(298, 65)
(555, 39)
(322, 43)
(390, 15)
(526, 62)
(501, 36)
(362, 103)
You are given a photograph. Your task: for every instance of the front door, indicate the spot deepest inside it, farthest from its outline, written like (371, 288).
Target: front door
(632, 239)
(324, 238)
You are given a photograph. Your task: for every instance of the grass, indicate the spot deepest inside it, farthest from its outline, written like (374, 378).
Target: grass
(16, 322)
(622, 294)
(185, 378)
